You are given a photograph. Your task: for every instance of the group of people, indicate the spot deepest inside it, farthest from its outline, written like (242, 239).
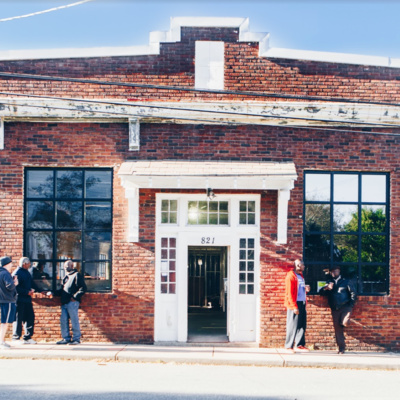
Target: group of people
(341, 299)
(16, 289)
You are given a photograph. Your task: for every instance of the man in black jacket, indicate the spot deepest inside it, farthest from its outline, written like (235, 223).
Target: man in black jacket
(341, 298)
(25, 313)
(72, 289)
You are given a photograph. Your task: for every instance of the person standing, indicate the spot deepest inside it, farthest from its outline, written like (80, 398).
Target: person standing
(72, 289)
(8, 298)
(25, 313)
(295, 303)
(342, 296)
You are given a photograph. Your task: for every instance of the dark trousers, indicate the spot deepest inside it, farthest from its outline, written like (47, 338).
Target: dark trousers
(341, 318)
(296, 326)
(26, 318)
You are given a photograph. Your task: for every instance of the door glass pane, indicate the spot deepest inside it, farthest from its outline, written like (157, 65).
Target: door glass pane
(345, 218)
(98, 184)
(318, 187)
(373, 189)
(69, 184)
(39, 183)
(39, 214)
(345, 187)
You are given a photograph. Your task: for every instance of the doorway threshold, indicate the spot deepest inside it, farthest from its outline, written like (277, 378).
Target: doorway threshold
(209, 344)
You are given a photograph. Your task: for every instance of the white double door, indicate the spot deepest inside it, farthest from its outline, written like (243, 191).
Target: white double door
(242, 304)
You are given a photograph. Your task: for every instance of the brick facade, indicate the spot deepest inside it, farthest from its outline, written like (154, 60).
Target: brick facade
(127, 313)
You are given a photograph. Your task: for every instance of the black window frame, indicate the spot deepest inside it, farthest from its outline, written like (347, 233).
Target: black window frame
(326, 264)
(82, 261)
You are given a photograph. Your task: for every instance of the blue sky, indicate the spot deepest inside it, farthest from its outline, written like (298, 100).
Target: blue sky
(360, 27)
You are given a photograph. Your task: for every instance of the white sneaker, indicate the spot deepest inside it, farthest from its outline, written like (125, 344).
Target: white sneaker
(4, 346)
(29, 341)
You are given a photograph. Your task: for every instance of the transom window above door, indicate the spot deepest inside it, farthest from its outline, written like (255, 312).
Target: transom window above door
(208, 213)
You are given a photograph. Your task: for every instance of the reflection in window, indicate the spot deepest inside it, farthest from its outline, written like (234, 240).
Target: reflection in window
(347, 225)
(318, 187)
(208, 213)
(69, 215)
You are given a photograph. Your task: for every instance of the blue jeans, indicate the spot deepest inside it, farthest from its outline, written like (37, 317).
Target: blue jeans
(70, 312)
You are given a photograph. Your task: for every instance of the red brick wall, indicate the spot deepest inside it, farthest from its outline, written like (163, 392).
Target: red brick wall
(174, 66)
(127, 314)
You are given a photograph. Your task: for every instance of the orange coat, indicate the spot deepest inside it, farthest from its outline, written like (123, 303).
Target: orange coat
(291, 289)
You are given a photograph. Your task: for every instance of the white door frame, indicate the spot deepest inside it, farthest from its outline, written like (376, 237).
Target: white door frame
(171, 314)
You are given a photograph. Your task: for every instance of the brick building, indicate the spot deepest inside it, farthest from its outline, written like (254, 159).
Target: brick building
(184, 177)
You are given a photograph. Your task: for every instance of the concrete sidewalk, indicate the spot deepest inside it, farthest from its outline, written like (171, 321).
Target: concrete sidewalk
(210, 354)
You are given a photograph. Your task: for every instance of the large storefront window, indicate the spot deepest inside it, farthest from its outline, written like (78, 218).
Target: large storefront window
(68, 215)
(346, 225)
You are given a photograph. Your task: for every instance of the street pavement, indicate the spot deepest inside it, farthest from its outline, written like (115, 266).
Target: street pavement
(208, 354)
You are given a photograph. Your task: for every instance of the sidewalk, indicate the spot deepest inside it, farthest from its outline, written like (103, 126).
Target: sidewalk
(209, 354)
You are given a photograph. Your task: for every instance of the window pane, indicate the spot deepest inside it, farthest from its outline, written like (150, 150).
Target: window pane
(318, 187)
(39, 214)
(98, 215)
(98, 184)
(213, 219)
(39, 183)
(42, 274)
(39, 245)
(243, 206)
(69, 245)
(98, 276)
(98, 246)
(173, 218)
(69, 214)
(345, 248)
(373, 188)
(318, 217)
(373, 279)
(164, 205)
(316, 276)
(223, 206)
(317, 248)
(69, 184)
(373, 219)
(345, 218)
(242, 218)
(223, 219)
(345, 187)
(251, 219)
(373, 248)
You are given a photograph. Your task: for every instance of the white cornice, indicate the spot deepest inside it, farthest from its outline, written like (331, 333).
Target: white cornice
(174, 35)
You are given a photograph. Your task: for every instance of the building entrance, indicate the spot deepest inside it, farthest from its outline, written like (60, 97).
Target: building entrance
(207, 294)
